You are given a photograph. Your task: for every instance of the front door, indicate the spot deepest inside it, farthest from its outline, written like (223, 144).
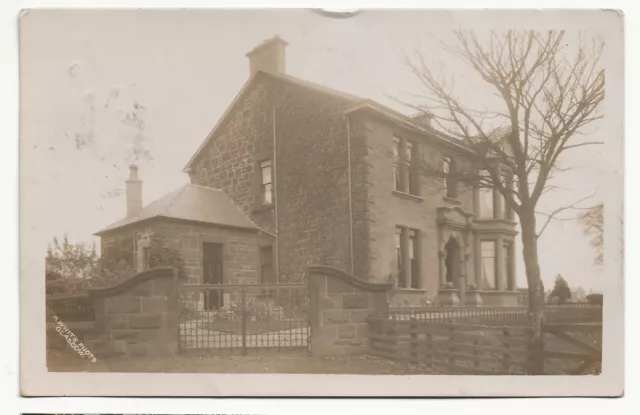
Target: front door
(212, 274)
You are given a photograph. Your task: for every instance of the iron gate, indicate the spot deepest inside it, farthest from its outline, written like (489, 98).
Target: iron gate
(243, 318)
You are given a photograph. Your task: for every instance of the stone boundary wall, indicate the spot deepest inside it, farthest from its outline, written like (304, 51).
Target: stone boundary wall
(138, 317)
(339, 306)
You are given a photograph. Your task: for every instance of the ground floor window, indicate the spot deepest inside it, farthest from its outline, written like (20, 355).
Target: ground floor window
(212, 270)
(266, 265)
(507, 265)
(408, 257)
(488, 263)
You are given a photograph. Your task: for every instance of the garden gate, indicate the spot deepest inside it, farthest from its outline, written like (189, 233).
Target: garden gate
(241, 319)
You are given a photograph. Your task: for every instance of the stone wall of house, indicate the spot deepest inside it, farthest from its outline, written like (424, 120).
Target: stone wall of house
(360, 168)
(137, 317)
(387, 209)
(240, 250)
(339, 307)
(311, 178)
(231, 159)
(241, 256)
(241, 261)
(312, 182)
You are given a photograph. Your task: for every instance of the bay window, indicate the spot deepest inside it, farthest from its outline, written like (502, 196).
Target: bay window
(485, 196)
(488, 264)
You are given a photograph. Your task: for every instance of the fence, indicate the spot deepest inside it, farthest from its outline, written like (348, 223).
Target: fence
(239, 318)
(574, 313)
(451, 340)
(453, 348)
(468, 315)
(573, 349)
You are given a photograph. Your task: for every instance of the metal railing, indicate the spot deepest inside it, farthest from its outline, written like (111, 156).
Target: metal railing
(575, 312)
(242, 318)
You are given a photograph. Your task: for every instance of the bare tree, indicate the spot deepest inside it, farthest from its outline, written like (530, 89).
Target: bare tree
(547, 93)
(592, 221)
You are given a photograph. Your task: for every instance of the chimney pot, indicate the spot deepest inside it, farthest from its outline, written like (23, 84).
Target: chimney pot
(134, 192)
(269, 56)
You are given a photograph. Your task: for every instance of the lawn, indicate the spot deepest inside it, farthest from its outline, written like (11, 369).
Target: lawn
(291, 362)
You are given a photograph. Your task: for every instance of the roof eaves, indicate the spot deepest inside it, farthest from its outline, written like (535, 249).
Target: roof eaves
(224, 116)
(315, 87)
(124, 225)
(403, 120)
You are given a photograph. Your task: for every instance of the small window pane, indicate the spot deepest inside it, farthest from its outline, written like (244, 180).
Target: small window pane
(488, 254)
(507, 264)
(398, 237)
(409, 151)
(396, 166)
(396, 148)
(485, 196)
(266, 172)
(446, 168)
(412, 239)
(268, 195)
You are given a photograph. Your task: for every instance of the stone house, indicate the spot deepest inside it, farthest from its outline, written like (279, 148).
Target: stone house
(216, 240)
(321, 177)
(578, 295)
(335, 178)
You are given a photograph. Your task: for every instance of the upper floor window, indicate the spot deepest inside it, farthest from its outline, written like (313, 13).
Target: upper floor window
(405, 166)
(507, 183)
(450, 182)
(266, 184)
(396, 164)
(485, 196)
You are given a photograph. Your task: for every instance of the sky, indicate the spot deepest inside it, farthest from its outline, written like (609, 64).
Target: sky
(101, 90)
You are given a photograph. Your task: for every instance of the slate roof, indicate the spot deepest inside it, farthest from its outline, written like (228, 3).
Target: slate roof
(192, 203)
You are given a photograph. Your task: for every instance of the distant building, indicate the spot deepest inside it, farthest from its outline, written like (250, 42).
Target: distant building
(578, 295)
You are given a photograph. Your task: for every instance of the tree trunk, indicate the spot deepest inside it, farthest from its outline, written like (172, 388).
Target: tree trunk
(536, 291)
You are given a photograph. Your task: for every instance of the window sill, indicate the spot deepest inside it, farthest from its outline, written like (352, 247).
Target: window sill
(452, 200)
(411, 290)
(407, 196)
(496, 220)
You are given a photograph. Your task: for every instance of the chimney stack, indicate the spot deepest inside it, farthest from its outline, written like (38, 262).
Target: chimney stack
(268, 56)
(134, 192)
(423, 119)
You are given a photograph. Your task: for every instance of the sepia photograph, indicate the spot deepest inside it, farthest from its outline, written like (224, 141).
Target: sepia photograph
(403, 195)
